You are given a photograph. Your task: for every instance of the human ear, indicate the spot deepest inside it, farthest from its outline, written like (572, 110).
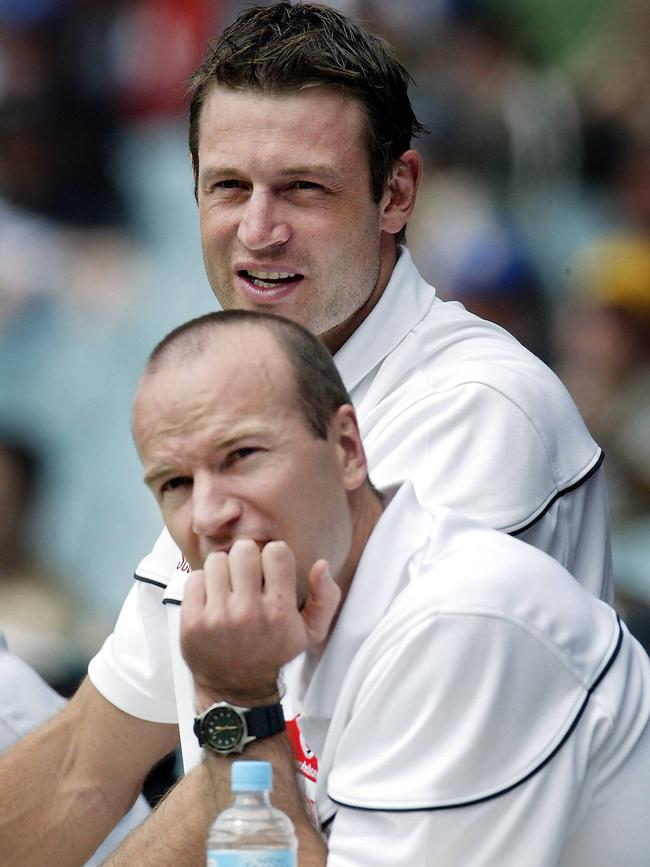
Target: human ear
(398, 201)
(351, 457)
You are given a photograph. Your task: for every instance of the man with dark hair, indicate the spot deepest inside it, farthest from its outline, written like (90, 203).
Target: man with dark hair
(397, 633)
(285, 48)
(305, 179)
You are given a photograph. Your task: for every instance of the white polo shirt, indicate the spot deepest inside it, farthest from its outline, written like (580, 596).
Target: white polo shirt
(463, 716)
(449, 401)
(474, 706)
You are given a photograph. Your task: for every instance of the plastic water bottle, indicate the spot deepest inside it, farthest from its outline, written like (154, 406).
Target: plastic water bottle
(252, 833)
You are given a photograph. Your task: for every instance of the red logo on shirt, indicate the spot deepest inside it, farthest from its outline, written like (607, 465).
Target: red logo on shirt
(306, 761)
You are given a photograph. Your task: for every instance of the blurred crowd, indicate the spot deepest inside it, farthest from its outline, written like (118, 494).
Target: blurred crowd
(535, 213)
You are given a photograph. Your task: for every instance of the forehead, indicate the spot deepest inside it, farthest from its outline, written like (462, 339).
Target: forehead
(313, 122)
(241, 373)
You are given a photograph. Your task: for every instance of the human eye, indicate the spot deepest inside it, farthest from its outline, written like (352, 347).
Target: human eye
(175, 484)
(240, 454)
(223, 186)
(306, 185)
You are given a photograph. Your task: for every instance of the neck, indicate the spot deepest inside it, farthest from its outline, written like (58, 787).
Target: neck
(337, 336)
(367, 509)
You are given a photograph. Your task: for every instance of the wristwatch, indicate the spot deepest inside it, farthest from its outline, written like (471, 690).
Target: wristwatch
(226, 728)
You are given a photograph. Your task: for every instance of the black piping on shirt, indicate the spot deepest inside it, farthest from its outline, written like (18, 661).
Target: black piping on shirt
(525, 778)
(523, 529)
(325, 825)
(561, 493)
(166, 599)
(149, 581)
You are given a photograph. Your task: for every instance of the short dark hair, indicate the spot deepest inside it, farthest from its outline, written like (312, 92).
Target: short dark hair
(319, 387)
(285, 47)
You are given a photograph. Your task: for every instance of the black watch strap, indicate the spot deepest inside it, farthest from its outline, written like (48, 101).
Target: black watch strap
(262, 722)
(259, 722)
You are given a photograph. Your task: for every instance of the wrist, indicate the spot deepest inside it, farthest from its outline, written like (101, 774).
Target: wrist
(205, 697)
(227, 728)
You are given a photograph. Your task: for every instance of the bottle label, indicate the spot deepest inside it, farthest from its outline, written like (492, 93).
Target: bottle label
(252, 858)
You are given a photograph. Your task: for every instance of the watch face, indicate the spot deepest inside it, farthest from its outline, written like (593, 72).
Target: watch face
(223, 728)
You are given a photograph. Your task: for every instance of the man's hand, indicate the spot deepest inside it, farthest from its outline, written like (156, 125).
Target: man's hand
(240, 621)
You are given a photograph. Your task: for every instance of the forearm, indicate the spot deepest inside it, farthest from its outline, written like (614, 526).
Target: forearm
(48, 812)
(176, 833)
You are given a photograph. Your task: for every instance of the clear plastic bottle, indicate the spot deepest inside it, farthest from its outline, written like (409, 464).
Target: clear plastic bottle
(252, 833)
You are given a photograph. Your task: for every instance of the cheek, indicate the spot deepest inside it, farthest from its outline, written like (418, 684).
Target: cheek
(215, 224)
(178, 520)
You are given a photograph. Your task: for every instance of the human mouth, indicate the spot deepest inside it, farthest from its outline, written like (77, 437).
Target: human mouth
(269, 279)
(268, 285)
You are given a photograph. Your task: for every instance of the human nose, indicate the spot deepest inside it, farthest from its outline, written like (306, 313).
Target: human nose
(261, 225)
(214, 510)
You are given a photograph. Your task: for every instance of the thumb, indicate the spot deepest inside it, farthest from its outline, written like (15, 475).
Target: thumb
(322, 603)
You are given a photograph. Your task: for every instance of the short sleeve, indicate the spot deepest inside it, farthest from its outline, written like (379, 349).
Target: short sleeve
(472, 449)
(133, 669)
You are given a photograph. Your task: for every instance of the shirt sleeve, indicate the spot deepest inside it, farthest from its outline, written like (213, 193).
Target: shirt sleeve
(133, 669)
(474, 450)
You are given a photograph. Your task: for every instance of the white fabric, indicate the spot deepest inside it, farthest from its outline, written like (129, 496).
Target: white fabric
(448, 680)
(456, 405)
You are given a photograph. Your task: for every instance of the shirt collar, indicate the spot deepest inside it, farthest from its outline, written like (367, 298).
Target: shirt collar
(383, 571)
(404, 302)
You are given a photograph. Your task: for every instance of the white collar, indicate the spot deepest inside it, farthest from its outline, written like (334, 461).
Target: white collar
(404, 302)
(382, 573)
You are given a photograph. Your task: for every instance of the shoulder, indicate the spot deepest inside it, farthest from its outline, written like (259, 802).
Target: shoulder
(161, 564)
(499, 668)
(475, 419)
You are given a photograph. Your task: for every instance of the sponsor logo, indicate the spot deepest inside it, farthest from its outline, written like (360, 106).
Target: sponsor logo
(306, 761)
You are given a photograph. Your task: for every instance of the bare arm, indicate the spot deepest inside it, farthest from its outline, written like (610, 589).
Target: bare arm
(68, 783)
(235, 641)
(175, 834)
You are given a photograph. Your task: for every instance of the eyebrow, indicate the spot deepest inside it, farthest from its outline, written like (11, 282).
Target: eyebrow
(323, 171)
(156, 474)
(318, 170)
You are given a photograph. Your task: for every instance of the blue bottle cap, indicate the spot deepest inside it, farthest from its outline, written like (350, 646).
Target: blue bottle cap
(249, 776)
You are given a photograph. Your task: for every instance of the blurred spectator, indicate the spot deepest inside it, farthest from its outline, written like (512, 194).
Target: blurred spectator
(473, 252)
(56, 119)
(99, 257)
(604, 352)
(143, 32)
(605, 361)
(98, 269)
(42, 623)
